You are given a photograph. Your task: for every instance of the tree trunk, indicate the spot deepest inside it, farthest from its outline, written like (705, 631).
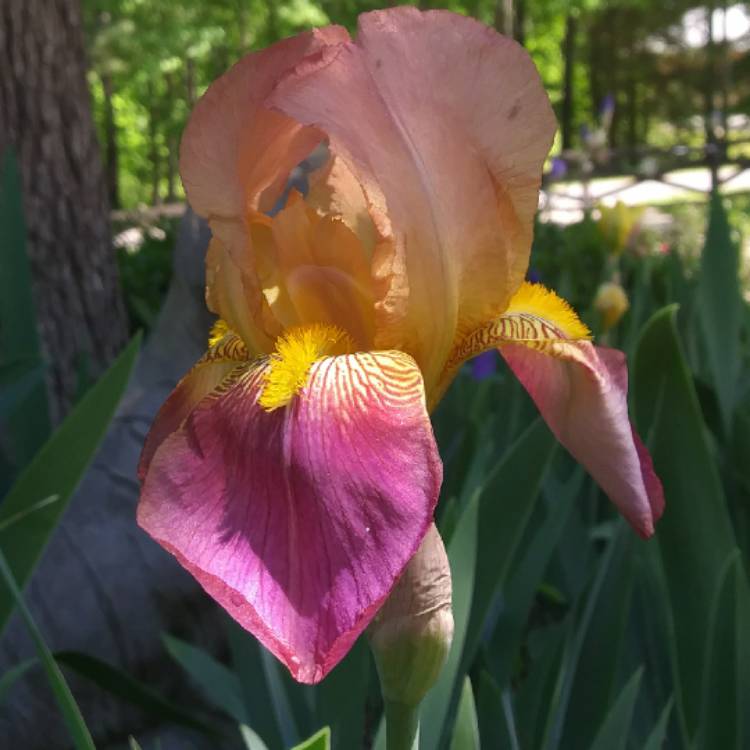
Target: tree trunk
(111, 155)
(709, 97)
(567, 119)
(519, 22)
(613, 22)
(504, 17)
(153, 147)
(190, 82)
(45, 116)
(596, 60)
(172, 142)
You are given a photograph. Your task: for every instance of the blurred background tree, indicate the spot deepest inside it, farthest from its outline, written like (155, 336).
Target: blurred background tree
(670, 81)
(45, 116)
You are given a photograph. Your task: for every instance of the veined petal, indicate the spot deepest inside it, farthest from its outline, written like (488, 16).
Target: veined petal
(323, 271)
(299, 520)
(581, 391)
(235, 158)
(445, 125)
(535, 316)
(233, 291)
(235, 153)
(225, 353)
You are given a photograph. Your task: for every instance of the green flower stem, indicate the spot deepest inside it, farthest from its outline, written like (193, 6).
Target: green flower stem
(401, 726)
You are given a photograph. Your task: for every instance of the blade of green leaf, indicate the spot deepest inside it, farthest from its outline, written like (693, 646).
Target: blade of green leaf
(251, 739)
(127, 688)
(288, 711)
(695, 534)
(29, 424)
(538, 689)
(133, 744)
(466, 728)
(599, 663)
(56, 470)
(218, 684)
(613, 733)
(507, 502)
(341, 698)
(79, 733)
(658, 734)
(16, 517)
(14, 391)
(256, 696)
(480, 554)
(720, 306)
(497, 728)
(14, 673)
(526, 576)
(743, 653)
(558, 708)
(720, 709)
(321, 740)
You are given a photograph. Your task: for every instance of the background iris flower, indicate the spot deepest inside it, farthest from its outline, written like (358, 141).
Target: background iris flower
(294, 471)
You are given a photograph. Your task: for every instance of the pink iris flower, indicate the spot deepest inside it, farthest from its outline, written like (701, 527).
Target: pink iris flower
(294, 471)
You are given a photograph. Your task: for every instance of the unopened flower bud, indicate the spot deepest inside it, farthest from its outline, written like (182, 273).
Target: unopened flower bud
(611, 302)
(411, 635)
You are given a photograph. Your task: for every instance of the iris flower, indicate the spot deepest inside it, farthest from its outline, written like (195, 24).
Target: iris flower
(293, 471)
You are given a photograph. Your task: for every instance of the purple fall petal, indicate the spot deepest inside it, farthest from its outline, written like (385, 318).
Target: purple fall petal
(299, 521)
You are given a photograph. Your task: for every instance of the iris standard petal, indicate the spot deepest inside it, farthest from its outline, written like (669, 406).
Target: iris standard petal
(236, 154)
(235, 159)
(446, 125)
(299, 520)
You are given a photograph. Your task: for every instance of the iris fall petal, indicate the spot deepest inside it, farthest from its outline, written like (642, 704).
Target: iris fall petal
(298, 521)
(205, 376)
(581, 391)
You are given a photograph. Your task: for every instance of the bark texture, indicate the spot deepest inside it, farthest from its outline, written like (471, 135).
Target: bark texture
(45, 116)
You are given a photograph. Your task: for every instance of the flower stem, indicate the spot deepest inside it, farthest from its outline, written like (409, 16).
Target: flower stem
(401, 726)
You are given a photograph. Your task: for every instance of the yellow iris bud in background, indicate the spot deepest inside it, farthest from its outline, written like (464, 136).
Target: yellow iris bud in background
(611, 302)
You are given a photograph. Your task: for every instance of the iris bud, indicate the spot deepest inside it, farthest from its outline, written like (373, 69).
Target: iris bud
(611, 302)
(411, 635)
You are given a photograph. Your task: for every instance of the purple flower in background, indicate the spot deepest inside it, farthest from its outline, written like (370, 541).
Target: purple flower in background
(559, 168)
(607, 111)
(533, 276)
(485, 365)
(607, 107)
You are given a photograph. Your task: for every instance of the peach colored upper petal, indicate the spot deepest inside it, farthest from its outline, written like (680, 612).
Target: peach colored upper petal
(315, 270)
(235, 160)
(334, 189)
(446, 124)
(236, 153)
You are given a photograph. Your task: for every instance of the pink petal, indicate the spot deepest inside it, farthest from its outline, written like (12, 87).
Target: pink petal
(299, 521)
(202, 379)
(582, 394)
(447, 122)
